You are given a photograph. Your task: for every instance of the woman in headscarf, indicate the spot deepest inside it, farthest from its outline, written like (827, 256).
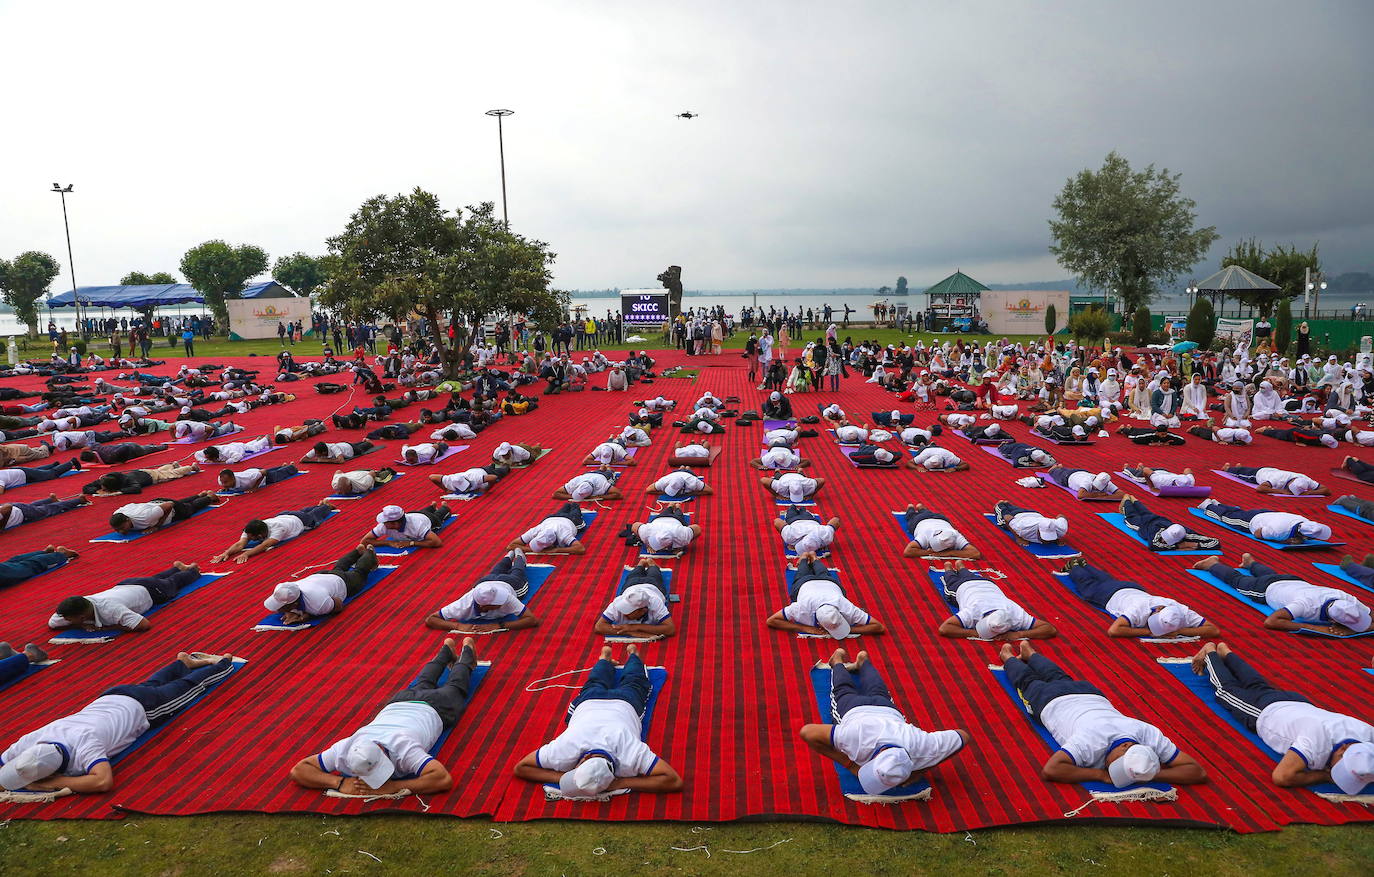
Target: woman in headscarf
(1236, 406)
(1304, 339)
(1073, 385)
(717, 336)
(1268, 403)
(1194, 398)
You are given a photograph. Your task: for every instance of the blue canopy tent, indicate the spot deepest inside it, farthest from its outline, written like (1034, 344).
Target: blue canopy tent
(157, 295)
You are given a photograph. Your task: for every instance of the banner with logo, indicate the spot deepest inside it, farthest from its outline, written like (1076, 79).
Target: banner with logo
(258, 317)
(1022, 311)
(647, 308)
(1235, 331)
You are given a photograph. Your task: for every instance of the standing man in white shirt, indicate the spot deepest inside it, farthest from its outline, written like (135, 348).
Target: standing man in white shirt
(74, 752)
(390, 754)
(265, 534)
(123, 605)
(869, 736)
(1292, 597)
(602, 749)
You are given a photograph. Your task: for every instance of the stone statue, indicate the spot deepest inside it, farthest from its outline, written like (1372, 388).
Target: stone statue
(672, 281)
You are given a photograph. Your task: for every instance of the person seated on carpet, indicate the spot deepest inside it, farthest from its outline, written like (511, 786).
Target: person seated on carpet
(641, 607)
(397, 528)
(202, 431)
(555, 534)
(934, 458)
(1158, 436)
(804, 532)
(984, 612)
(1291, 597)
(1266, 524)
(818, 605)
(833, 413)
(611, 452)
(390, 754)
(1028, 526)
(337, 452)
(602, 749)
(646, 419)
(1084, 484)
(323, 593)
(23, 567)
(144, 517)
(74, 752)
(253, 479)
(992, 432)
(360, 481)
(1135, 612)
(1268, 479)
(1160, 533)
(934, 536)
(666, 533)
(875, 456)
(709, 401)
(514, 404)
(1359, 468)
(1229, 434)
(1161, 478)
(793, 486)
(680, 483)
(869, 737)
(121, 452)
(850, 434)
(233, 452)
(424, 453)
(1318, 746)
(1361, 507)
(777, 407)
(309, 429)
(779, 457)
(262, 535)
(123, 604)
(475, 480)
(591, 486)
(1097, 743)
(696, 452)
(134, 480)
(915, 437)
(494, 597)
(516, 454)
(18, 476)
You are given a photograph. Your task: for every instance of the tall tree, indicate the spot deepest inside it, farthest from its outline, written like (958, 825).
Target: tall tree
(138, 278)
(219, 271)
(1202, 323)
(406, 255)
(901, 286)
(1285, 265)
(24, 281)
(1283, 327)
(1116, 228)
(300, 273)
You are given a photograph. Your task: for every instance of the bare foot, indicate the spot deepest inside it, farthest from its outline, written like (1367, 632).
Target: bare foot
(1026, 650)
(605, 653)
(1006, 653)
(1223, 649)
(1205, 563)
(1247, 559)
(839, 656)
(632, 649)
(1201, 656)
(861, 658)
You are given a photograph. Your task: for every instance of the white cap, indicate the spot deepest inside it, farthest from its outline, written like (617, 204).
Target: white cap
(390, 513)
(368, 762)
(282, 595)
(1354, 771)
(1314, 530)
(1079, 431)
(890, 767)
(1329, 440)
(835, 624)
(33, 764)
(486, 594)
(588, 779)
(503, 448)
(707, 428)
(1052, 529)
(1350, 612)
(1101, 481)
(1173, 534)
(993, 624)
(1138, 764)
(796, 490)
(582, 490)
(632, 599)
(942, 540)
(774, 396)
(992, 429)
(1167, 620)
(1038, 455)
(882, 455)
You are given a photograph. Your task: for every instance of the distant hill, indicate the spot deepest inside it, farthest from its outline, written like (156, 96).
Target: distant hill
(845, 291)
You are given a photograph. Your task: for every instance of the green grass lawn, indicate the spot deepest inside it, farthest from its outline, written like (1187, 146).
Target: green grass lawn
(260, 844)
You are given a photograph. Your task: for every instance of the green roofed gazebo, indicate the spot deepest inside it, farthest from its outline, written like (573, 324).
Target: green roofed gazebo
(955, 296)
(1231, 280)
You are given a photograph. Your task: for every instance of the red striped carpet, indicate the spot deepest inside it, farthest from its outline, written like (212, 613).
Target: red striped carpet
(736, 693)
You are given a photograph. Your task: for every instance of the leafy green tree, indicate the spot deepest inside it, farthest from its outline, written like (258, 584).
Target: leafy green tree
(901, 286)
(406, 255)
(1127, 230)
(1090, 325)
(1202, 323)
(220, 271)
(1285, 265)
(138, 278)
(300, 273)
(1141, 328)
(25, 281)
(1283, 327)
(1051, 318)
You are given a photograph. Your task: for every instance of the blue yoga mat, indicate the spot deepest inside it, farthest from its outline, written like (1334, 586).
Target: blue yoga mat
(62, 565)
(791, 552)
(667, 582)
(1202, 687)
(474, 682)
(71, 634)
(1118, 520)
(375, 488)
(129, 537)
(663, 497)
(644, 552)
(273, 621)
(1334, 569)
(657, 677)
(1010, 690)
(386, 551)
(1035, 548)
(1344, 512)
(849, 783)
(1063, 579)
(237, 492)
(32, 669)
(1265, 609)
(152, 732)
(536, 574)
(1281, 546)
(937, 579)
(791, 574)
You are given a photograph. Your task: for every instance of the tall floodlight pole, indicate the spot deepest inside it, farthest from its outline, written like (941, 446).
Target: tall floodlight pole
(71, 266)
(501, 140)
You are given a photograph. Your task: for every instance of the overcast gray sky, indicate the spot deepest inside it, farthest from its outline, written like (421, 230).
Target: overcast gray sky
(839, 144)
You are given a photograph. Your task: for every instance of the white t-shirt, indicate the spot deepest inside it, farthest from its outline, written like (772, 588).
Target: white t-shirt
(465, 607)
(1027, 525)
(144, 515)
(788, 435)
(65, 441)
(779, 458)
(850, 434)
(460, 430)
(246, 479)
(598, 483)
(1136, 606)
(1301, 599)
(610, 726)
(942, 458)
(1087, 727)
(284, 527)
(1288, 482)
(794, 486)
(357, 481)
(467, 481)
(424, 452)
(1080, 480)
(13, 478)
(608, 452)
(551, 532)
(515, 455)
(414, 526)
(805, 535)
(978, 597)
(665, 534)
(15, 518)
(342, 450)
(1275, 526)
(1310, 731)
(118, 606)
(864, 728)
(679, 483)
(657, 610)
(1161, 478)
(319, 591)
(101, 730)
(817, 593)
(694, 451)
(405, 730)
(926, 530)
(912, 435)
